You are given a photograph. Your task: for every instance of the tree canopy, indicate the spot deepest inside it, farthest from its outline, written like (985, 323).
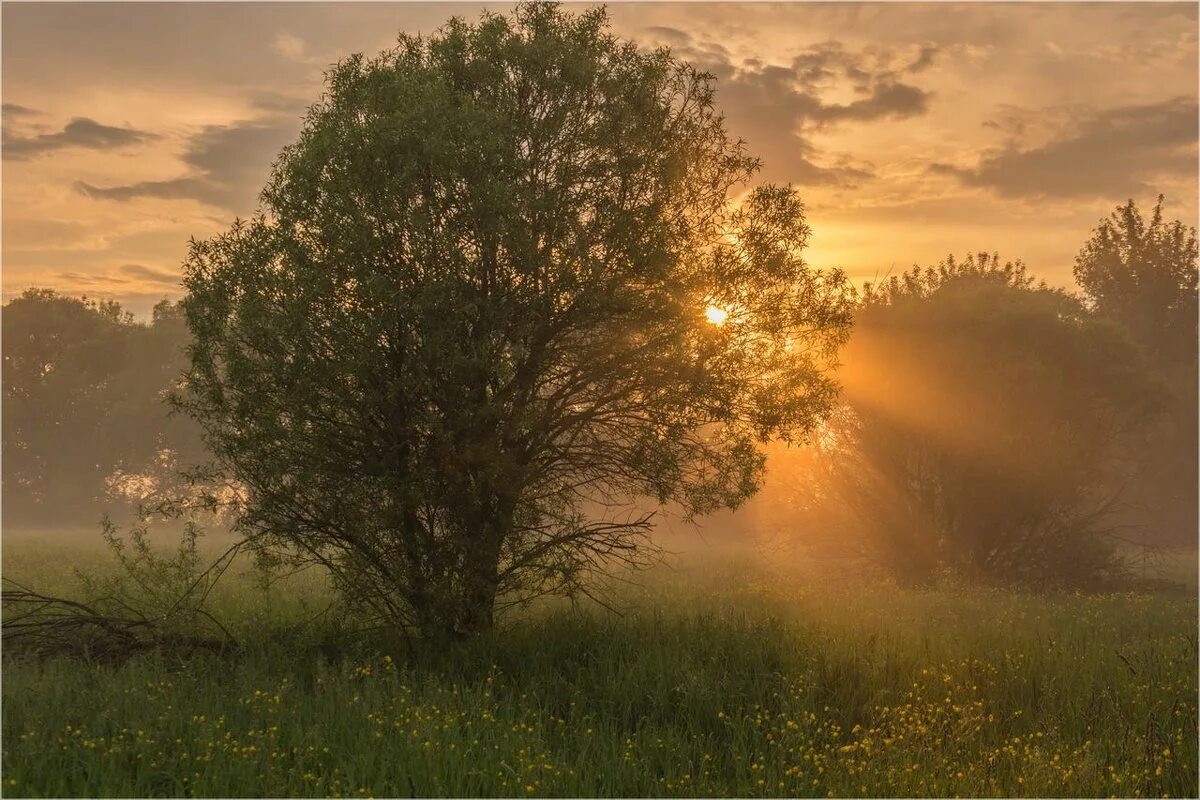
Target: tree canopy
(499, 289)
(84, 417)
(982, 413)
(1142, 273)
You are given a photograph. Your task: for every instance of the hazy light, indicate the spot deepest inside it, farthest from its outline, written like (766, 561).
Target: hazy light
(716, 315)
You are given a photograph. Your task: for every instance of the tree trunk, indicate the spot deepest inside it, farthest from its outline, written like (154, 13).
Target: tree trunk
(479, 599)
(481, 578)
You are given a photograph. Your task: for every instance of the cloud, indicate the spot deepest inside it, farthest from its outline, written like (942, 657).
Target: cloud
(175, 189)
(150, 274)
(289, 46)
(11, 110)
(897, 100)
(89, 280)
(297, 51)
(670, 36)
(158, 280)
(80, 132)
(778, 109)
(707, 55)
(1111, 154)
(925, 59)
(229, 166)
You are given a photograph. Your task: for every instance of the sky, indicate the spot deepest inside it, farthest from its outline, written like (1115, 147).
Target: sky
(913, 130)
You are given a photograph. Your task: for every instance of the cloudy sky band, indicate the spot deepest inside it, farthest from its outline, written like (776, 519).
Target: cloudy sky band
(913, 130)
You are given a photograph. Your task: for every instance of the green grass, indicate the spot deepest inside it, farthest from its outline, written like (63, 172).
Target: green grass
(715, 681)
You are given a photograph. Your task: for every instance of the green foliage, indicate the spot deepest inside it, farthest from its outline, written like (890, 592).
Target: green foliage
(983, 413)
(1142, 275)
(469, 326)
(170, 591)
(84, 419)
(59, 354)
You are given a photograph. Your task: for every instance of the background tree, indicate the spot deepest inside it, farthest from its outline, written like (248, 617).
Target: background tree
(59, 356)
(982, 408)
(470, 324)
(1142, 275)
(164, 444)
(85, 423)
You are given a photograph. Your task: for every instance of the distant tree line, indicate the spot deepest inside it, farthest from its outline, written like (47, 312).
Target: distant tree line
(85, 425)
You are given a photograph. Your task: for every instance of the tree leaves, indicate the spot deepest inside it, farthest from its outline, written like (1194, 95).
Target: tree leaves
(472, 307)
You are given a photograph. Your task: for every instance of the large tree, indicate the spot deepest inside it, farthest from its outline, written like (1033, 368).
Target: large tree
(497, 291)
(983, 411)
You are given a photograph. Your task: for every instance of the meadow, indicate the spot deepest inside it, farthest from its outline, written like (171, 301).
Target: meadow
(729, 675)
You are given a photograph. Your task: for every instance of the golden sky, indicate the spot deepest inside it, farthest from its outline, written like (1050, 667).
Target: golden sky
(913, 130)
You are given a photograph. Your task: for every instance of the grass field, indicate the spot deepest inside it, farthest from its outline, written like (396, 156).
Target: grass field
(715, 680)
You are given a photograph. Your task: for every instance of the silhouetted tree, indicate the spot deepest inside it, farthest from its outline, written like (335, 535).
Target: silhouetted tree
(471, 323)
(84, 415)
(1143, 275)
(59, 357)
(982, 410)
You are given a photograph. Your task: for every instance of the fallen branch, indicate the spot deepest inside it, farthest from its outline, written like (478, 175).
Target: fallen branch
(42, 625)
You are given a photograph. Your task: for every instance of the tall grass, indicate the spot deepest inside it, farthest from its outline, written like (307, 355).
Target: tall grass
(715, 681)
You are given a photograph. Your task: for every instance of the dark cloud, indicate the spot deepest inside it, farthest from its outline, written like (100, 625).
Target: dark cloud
(239, 153)
(705, 55)
(777, 109)
(924, 59)
(122, 276)
(150, 274)
(897, 100)
(176, 189)
(230, 164)
(828, 63)
(80, 132)
(1111, 155)
(89, 279)
(11, 110)
(671, 36)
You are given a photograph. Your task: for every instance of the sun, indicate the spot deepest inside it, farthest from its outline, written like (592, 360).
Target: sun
(716, 315)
